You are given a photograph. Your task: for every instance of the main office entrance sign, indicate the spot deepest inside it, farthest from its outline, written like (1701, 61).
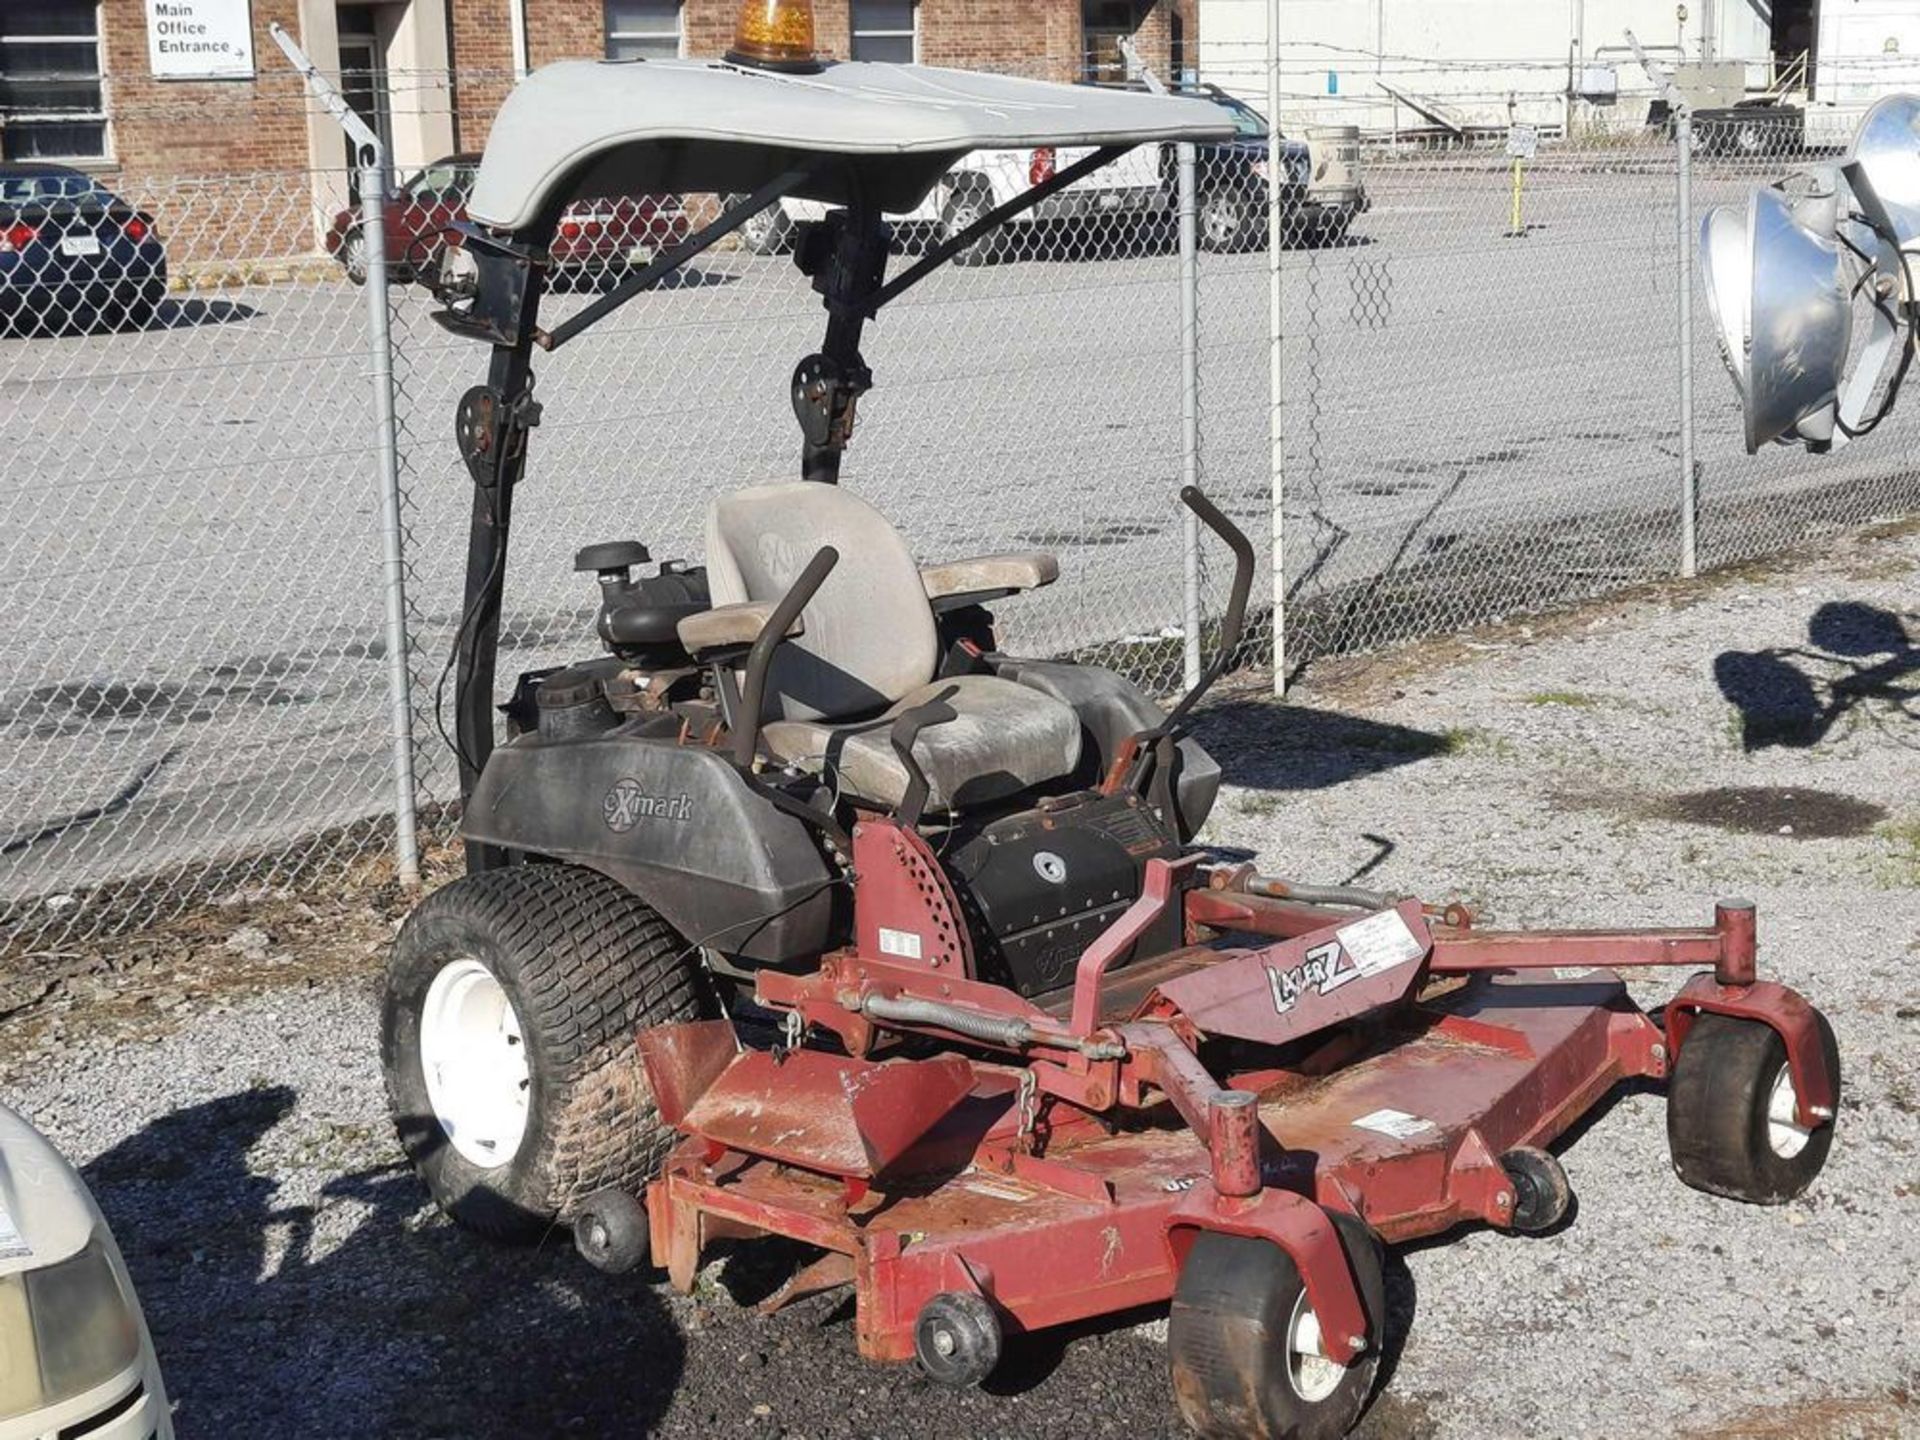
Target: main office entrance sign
(200, 39)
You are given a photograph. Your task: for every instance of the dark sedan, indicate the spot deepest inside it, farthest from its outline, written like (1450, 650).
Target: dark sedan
(72, 253)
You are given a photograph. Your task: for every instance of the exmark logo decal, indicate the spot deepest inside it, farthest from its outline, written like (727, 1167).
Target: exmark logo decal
(627, 804)
(1326, 968)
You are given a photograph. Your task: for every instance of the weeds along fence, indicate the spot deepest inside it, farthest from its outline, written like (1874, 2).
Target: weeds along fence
(1482, 414)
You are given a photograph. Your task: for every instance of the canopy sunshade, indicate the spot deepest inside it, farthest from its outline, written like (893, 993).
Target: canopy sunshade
(638, 126)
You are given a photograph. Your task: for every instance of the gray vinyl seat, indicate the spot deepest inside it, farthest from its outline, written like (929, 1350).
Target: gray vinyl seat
(868, 650)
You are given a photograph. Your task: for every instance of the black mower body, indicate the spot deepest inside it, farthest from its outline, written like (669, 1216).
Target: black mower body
(676, 824)
(735, 865)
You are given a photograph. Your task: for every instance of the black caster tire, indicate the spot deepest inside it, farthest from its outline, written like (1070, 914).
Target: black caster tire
(1730, 1113)
(957, 1339)
(512, 1000)
(1238, 1334)
(611, 1232)
(1542, 1194)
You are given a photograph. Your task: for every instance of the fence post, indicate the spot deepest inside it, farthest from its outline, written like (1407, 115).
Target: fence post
(1689, 479)
(1190, 404)
(373, 185)
(1276, 177)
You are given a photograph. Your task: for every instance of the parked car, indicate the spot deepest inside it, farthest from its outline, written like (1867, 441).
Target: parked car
(1231, 185)
(71, 251)
(1140, 190)
(594, 235)
(75, 1355)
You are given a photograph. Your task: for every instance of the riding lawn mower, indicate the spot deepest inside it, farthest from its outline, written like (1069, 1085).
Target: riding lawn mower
(805, 910)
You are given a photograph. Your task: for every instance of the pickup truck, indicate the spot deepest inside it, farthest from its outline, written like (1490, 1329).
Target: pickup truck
(1138, 192)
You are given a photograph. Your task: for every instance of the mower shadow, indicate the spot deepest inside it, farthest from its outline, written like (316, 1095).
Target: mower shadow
(350, 1312)
(1860, 660)
(1268, 745)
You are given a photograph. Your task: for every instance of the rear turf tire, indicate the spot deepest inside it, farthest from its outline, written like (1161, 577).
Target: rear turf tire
(551, 970)
(1728, 1130)
(1239, 1310)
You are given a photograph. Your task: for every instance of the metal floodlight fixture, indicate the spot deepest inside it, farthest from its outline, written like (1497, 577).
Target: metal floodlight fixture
(775, 35)
(1887, 149)
(1778, 282)
(1784, 279)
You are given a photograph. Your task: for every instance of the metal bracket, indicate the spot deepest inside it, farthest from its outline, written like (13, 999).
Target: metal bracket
(826, 395)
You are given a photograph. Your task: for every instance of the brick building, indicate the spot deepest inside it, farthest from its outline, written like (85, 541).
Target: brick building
(152, 90)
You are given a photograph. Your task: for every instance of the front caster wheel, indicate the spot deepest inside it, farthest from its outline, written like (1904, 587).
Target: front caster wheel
(1245, 1345)
(1541, 1194)
(610, 1231)
(1731, 1112)
(957, 1339)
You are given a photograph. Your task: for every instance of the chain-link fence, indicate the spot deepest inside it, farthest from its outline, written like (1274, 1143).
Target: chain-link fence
(1482, 414)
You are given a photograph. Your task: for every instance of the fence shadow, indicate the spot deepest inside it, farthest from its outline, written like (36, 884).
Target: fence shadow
(1860, 660)
(1272, 746)
(331, 1318)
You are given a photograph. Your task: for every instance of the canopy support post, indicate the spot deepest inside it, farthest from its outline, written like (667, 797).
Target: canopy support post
(846, 256)
(494, 419)
(932, 259)
(668, 261)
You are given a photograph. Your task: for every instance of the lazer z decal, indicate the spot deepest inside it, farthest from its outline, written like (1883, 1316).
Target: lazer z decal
(627, 804)
(1326, 967)
(1367, 947)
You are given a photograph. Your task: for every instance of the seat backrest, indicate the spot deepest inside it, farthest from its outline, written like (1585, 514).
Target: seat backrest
(869, 636)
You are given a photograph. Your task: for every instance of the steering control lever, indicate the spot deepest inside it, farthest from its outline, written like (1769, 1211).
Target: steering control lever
(746, 740)
(1235, 620)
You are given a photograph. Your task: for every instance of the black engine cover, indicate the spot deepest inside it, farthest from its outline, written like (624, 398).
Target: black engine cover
(1040, 886)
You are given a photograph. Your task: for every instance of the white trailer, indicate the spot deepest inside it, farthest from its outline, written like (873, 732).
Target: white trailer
(1393, 66)
(1405, 65)
(1864, 49)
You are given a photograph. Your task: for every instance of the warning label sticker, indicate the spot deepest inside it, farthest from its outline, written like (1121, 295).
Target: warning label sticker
(13, 1244)
(1397, 1123)
(899, 942)
(1380, 942)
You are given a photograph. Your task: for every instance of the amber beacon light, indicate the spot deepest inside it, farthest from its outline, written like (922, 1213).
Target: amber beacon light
(775, 35)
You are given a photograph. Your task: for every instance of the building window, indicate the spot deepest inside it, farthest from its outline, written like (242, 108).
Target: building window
(51, 107)
(883, 30)
(1103, 25)
(643, 29)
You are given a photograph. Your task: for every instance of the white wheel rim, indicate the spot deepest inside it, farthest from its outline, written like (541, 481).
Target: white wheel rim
(1223, 220)
(1785, 1133)
(1312, 1374)
(475, 1063)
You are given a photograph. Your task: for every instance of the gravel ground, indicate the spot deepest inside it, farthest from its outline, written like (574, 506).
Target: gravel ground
(219, 1083)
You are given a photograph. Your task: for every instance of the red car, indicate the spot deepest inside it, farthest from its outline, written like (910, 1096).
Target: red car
(594, 235)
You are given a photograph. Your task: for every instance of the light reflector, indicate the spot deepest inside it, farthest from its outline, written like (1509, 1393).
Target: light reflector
(1800, 323)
